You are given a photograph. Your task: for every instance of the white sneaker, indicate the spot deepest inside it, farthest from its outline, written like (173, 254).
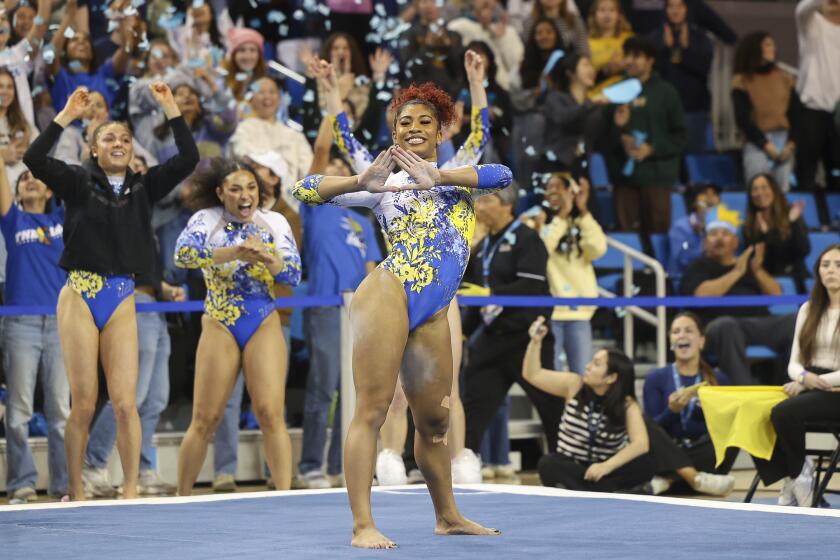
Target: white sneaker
(660, 485)
(224, 482)
(315, 480)
(390, 469)
(97, 484)
(466, 468)
(714, 484)
(336, 480)
(488, 472)
(416, 477)
(150, 484)
(23, 495)
(803, 485)
(786, 497)
(503, 471)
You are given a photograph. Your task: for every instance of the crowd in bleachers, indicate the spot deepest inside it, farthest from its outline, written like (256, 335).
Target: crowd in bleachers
(643, 171)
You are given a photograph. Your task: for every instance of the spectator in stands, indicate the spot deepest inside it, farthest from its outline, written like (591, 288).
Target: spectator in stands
(719, 272)
(512, 259)
(611, 453)
(264, 132)
(488, 22)
(16, 132)
(74, 62)
(670, 399)
(574, 240)
(684, 58)
(573, 119)
(30, 347)
(767, 109)
(543, 40)
(566, 17)
(685, 238)
(815, 372)
(818, 84)
(19, 56)
(644, 145)
(431, 52)
(779, 226)
(244, 63)
(608, 29)
(200, 40)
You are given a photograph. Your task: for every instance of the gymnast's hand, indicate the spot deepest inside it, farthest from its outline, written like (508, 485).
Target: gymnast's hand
(373, 178)
(425, 173)
(253, 251)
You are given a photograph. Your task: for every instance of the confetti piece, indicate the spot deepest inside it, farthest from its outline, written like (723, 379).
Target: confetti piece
(197, 3)
(380, 9)
(241, 76)
(75, 65)
(69, 33)
(38, 20)
(276, 16)
(298, 15)
(530, 151)
(112, 24)
(49, 54)
(309, 96)
(550, 155)
(283, 30)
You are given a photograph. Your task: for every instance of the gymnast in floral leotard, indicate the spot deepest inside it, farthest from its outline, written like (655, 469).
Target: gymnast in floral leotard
(398, 315)
(244, 252)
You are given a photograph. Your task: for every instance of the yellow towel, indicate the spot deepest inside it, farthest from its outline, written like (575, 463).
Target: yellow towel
(740, 417)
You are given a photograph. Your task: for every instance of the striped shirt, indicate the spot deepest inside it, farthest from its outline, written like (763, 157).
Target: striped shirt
(584, 434)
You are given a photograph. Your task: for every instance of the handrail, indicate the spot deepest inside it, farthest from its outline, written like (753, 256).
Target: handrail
(659, 320)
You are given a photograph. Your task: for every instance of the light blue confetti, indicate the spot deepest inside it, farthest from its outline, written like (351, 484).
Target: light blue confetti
(283, 30)
(75, 65)
(255, 23)
(394, 68)
(112, 25)
(384, 96)
(298, 15)
(550, 155)
(197, 3)
(323, 9)
(380, 9)
(309, 96)
(69, 33)
(530, 151)
(38, 20)
(276, 16)
(241, 76)
(49, 54)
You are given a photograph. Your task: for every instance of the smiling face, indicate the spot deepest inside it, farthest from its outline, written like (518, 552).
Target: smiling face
(24, 20)
(7, 91)
(80, 48)
(545, 36)
(201, 16)
(720, 244)
(31, 191)
(266, 99)
(247, 56)
(686, 339)
(113, 148)
(596, 375)
(187, 101)
(417, 130)
(761, 193)
(240, 194)
(161, 58)
(830, 270)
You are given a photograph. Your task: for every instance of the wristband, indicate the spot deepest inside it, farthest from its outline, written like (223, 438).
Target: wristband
(801, 377)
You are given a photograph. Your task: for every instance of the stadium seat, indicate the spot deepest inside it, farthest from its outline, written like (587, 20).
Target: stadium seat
(719, 169)
(736, 201)
(598, 171)
(678, 209)
(606, 209)
(659, 242)
(810, 213)
(819, 241)
(832, 201)
(613, 260)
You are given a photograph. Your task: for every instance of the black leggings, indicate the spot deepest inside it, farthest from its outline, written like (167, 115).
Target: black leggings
(669, 455)
(558, 470)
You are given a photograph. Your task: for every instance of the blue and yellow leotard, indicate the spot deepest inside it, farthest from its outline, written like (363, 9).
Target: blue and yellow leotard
(239, 294)
(102, 293)
(429, 231)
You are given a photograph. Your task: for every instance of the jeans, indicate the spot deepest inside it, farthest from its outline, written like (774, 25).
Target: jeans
(323, 335)
(226, 439)
(152, 392)
(756, 161)
(574, 340)
(31, 348)
(167, 238)
(495, 447)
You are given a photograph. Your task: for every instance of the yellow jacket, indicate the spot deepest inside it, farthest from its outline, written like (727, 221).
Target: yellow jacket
(572, 275)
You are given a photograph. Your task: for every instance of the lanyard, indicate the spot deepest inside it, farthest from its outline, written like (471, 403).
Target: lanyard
(685, 414)
(487, 255)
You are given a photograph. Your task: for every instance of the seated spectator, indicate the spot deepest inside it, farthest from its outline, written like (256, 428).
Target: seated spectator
(608, 29)
(684, 58)
(670, 398)
(566, 17)
(487, 22)
(767, 109)
(244, 63)
(611, 453)
(815, 372)
(529, 84)
(573, 120)
(644, 145)
(429, 51)
(264, 132)
(719, 272)
(685, 238)
(574, 240)
(779, 226)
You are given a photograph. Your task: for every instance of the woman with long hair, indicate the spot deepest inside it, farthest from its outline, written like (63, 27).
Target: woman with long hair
(608, 29)
(108, 240)
(543, 40)
(244, 251)
(244, 63)
(565, 15)
(814, 369)
(684, 451)
(767, 108)
(428, 214)
(779, 225)
(602, 443)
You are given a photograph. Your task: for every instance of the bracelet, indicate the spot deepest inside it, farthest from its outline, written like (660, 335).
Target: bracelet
(801, 377)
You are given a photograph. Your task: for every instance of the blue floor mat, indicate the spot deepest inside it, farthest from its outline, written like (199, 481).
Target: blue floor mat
(317, 525)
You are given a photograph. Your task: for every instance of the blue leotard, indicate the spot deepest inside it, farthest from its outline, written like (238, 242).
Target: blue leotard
(102, 293)
(429, 231)
(239, 294)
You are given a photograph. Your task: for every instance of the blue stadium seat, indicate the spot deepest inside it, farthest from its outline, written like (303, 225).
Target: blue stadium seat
(613, 260)
(819, 241)
(760, 353)
(810, 213)
(788, 289)
(659, 241)
(678, 209)
(719, 169)
(296, 91)
(598, 171)
(736, 201)
(809, 284)
(606, 208)
(833, 202)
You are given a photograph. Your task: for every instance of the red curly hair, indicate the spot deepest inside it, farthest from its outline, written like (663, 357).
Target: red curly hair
(430, 95)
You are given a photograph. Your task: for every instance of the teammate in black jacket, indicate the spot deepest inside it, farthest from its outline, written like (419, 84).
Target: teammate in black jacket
(107, 241)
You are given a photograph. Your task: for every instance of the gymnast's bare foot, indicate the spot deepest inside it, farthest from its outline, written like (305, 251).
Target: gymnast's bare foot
(370, 537)
(462, 526)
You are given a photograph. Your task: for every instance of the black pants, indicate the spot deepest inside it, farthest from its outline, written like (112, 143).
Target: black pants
(820, 142)
(557, 469)
(494, 363)
(728, 337)
(789, 418)
(669, 455)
